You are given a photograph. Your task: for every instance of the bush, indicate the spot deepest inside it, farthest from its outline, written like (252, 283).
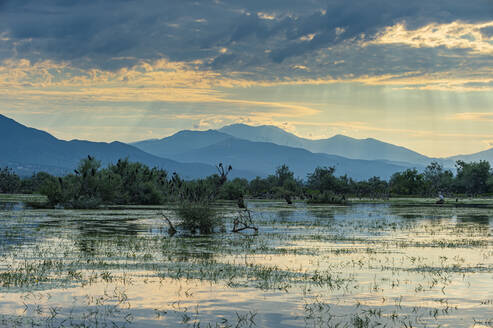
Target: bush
(52, 190)
(84, 202)
(9, 181)
(198, 216)
(233, 190)
(326, 197)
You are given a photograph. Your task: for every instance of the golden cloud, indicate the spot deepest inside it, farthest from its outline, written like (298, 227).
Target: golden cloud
(455, 35)
(147, 81)
(473, 116)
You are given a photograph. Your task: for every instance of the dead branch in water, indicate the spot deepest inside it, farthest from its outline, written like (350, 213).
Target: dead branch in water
(244, 221)
(171, 230)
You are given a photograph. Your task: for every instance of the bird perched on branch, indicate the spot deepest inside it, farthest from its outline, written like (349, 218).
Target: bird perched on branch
(223, 175)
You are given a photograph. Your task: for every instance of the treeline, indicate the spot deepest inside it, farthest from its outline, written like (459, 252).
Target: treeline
(472, 179)
(125, 182)
(122, 183)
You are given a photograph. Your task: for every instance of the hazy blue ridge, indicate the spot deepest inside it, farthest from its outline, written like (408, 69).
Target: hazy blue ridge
(486, 155)
(262, 157)
(252, 151)
(181, 142)
(29, 150)
(367, 149)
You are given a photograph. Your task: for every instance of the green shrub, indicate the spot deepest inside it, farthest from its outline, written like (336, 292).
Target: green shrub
(52, 190)
(84, 202)
(326, 197)
(9, 181)
(198, 216)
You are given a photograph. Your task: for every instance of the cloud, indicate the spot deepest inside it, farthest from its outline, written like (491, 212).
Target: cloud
(256, 61)
(145, 82)
(487, 31)
(455, 35)
(90, 33)
(473, 116)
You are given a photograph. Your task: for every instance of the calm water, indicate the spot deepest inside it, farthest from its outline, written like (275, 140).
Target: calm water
(309, 266)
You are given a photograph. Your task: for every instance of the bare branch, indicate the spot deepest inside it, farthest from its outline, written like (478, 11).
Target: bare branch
(171, 230)
(244, 221)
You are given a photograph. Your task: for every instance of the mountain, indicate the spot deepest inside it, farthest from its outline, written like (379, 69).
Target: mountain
(264, 133)
(261, 158)
(265, 157)
(368, 149)
(29, 150)
(486, 155)
(181, 142)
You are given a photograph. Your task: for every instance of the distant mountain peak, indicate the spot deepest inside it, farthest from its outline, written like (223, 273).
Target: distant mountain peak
(35, 150)
(342, 137)
(253, 127)
(180, 142)
(340, 145)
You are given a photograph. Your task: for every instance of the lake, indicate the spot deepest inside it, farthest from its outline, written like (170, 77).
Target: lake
(364, 265)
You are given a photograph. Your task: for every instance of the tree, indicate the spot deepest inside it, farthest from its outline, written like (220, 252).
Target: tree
(409, 182)
(472, 178)
(33, 184)
(286, 183)
(437, 179)
(377, 187)
(87, 171)
(259, 187)
(9, 181)
(135, 183)
(283, 175)
(323, 179)
(233, 190)
(324, 187)
(122, 183)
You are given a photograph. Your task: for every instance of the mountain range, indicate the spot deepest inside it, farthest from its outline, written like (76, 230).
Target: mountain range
(261, 157)
(368, 149)
(485, 155)
(28, 150)
(251, 150)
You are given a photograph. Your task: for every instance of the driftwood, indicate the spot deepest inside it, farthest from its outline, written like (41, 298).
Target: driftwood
(244, 221)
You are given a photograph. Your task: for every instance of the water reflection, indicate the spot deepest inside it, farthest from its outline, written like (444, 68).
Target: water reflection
(307, 266)
(11, 206)
(476, 219)
(321, 214)
(284, 215)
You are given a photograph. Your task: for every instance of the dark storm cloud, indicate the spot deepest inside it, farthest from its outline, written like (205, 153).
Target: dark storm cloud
(254, 32)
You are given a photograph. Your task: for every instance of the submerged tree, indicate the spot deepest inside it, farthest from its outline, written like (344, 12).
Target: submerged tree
(324, 187)
(195, 198)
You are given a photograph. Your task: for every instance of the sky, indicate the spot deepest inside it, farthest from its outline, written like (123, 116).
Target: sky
(413, 73)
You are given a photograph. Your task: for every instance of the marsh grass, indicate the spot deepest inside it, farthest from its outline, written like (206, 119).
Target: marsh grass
(362, 266)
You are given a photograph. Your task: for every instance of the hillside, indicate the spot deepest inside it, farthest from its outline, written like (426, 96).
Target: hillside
(367, 149)
(264, 157)
(181, 142)
(29, 150)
